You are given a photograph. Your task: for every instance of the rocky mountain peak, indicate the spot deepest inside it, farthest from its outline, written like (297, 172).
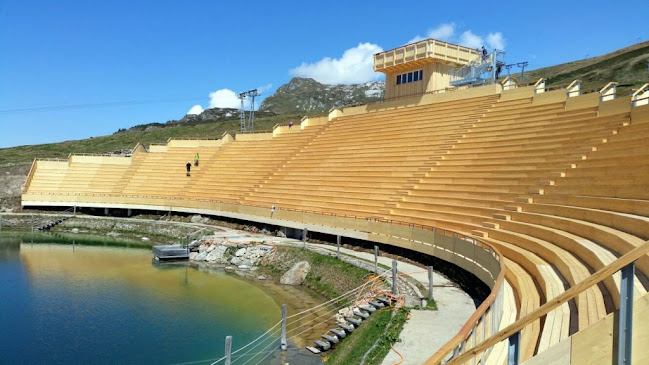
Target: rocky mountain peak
(306, 95)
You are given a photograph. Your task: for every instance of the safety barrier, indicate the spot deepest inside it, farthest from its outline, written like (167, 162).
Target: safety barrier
(622, 339)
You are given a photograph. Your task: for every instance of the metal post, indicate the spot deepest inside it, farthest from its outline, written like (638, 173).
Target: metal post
(283, 344)
(473, 340)
(430, 282)
(304, 231)
(338, 243)
(376, 259)
(484, 329)
(513, 353)
(74, 211)
(625, 323)
(228, 350)
(32, 223)
(395, 290)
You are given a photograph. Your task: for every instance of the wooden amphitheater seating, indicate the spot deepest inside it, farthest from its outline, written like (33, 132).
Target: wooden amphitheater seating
(243, 165)
(74, 177)
(595, 221)
(164, 173)
(560, 192)
(48, 177)
(360, 161)
(509, 150)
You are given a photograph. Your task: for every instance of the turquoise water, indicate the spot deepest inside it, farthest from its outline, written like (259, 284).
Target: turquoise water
(89, 304)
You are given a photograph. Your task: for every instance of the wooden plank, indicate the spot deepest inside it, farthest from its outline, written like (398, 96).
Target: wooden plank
(558, 354)
(552, 304)
(594, 345)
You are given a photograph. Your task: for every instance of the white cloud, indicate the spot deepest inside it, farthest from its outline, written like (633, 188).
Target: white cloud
(225, 98)
(443, 32)
(471, 40)
(196, 109)
(496, 40)
(354, 67)
(447, 32)
(264, 89)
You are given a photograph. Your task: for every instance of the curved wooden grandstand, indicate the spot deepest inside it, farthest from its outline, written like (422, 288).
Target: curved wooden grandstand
(553, 188)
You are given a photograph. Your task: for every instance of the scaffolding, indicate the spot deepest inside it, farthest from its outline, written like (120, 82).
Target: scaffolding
(483, 69)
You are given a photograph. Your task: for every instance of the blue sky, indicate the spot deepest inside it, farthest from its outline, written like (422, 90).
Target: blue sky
(58, 53)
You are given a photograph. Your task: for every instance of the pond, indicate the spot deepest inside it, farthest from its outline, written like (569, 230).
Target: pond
(77, 303)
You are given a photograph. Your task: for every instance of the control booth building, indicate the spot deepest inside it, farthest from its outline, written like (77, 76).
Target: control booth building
(421, 67)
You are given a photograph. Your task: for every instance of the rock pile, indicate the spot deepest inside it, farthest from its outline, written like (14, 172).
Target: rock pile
(218, 252)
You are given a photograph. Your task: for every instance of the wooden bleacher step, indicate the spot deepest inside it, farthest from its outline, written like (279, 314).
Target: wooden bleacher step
(502, 216)
(478, 233)
(448, 145)
(524, 199)
(536, 191)
(557, 174)
(491, 225)
(513, 208)
(546, 182)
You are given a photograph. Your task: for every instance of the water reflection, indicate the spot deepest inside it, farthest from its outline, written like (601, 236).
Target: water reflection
(78, 303)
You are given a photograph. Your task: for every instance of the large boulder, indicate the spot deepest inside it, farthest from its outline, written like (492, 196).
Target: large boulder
(199, 219)
(296, 274)
(214, 255)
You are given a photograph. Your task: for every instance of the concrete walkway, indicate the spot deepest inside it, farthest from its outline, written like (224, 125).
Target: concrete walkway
(426, 331)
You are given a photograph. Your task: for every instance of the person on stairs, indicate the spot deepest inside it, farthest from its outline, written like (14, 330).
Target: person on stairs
(189, 168)
(196, 158)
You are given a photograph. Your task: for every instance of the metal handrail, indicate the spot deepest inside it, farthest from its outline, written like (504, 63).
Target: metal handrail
(552, 304)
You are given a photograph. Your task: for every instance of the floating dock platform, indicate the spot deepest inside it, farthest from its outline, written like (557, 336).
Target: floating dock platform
(171, 252)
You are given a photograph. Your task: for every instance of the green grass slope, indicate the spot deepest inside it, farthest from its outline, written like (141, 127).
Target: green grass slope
(627, 66)
(129, 138)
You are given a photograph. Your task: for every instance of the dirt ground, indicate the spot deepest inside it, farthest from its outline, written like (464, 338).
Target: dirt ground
(12, 178)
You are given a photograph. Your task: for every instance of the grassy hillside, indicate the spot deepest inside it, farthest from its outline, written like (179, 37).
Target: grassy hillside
(129, 138)
(626, 66)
